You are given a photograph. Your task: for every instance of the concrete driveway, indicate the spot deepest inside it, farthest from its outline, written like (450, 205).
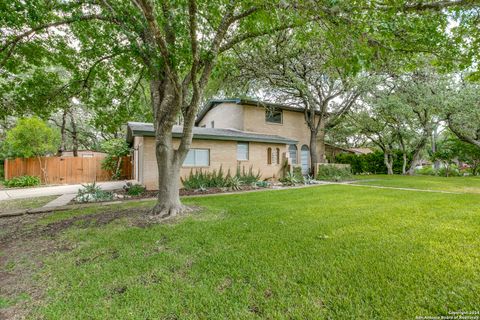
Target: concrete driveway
(7, 194)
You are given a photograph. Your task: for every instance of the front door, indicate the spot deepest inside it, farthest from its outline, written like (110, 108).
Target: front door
(305, 159)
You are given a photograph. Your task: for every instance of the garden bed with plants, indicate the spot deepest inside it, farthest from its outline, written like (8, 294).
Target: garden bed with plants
(196, 183)
(217, 181)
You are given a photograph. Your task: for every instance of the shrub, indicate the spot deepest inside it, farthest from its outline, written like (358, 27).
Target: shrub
(427, 170)
(115, 149)
(333, 173)
(262, 184)
(233, 183)
(92, 193)
(449, 171)
(248, 177)
(133, 189)
(297, 172)
(202, 180)
(290, 179)
(217, 179)
(371, 162)
(23, 181)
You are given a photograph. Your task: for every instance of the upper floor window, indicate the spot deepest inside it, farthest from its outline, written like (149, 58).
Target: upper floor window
(242, 151)
(273, 116)
(197, 158)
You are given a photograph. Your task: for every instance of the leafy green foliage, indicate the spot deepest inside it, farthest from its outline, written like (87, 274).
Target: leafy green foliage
(22, 181)
(134, 189)
(248, 176)
(31, 137)
(92, 193)
(115, 150)
(332, 172)
(370, 163)
(218, 179)
(290, 179)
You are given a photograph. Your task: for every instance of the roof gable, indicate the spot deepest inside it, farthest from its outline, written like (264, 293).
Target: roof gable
(135, 129)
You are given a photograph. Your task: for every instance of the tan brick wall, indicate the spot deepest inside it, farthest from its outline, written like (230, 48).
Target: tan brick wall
(293, 125)
(225, 115)
(222, 153)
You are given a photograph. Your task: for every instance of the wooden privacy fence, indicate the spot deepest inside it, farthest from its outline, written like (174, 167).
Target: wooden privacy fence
(65, 170)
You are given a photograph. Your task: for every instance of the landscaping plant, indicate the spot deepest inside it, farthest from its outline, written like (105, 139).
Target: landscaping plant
(23, 181)
(92, 193)
(333, 173)
(116, 149)
(134, 189)
(32, 137)
(290, 179)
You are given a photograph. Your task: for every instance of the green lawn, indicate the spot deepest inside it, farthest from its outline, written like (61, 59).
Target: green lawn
(17, 204)
(453, 184)
(327, 252)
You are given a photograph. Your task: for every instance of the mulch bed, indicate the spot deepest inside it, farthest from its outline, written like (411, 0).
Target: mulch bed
(183, 192)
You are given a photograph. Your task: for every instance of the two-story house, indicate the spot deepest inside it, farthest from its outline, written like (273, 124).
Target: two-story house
(231, 134)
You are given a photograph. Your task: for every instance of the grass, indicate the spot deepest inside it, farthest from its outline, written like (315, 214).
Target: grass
(327, 252)
(452, 184)
(30, 203)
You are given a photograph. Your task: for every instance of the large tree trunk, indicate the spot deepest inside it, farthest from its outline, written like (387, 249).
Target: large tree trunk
(169, 160)
(321, 142)
(417, 154)
(313, 151)
(388, 160)
(74, 135)
(404, 164)
(168, 178)
(63, 134)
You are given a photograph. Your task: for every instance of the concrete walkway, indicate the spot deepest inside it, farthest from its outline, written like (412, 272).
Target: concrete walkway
(7, 194)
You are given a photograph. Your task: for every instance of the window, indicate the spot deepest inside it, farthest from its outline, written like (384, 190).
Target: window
(292, 151)
(213, 124)
(242, 151)
(269, 156)
(197, 158)
(278, 156)
(273, 116)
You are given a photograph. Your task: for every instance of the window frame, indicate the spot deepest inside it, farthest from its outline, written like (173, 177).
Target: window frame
(271, 112)
(195, 165)
(248, 150)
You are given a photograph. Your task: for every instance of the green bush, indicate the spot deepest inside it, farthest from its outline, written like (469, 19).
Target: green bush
(297, 172)
(333, 173)
(233, 183)
(248, 177)
(371, 162)
(290, 179)
(427, 171)
(133, 189)
(23, 181)
(93, 193)
(202, 180)
(451, 171)
(218, 179)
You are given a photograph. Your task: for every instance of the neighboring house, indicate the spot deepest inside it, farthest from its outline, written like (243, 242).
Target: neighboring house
(84, 154)
(360, 150)
(233, 133)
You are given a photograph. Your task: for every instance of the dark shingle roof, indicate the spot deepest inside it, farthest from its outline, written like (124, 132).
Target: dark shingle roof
(146, 129)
